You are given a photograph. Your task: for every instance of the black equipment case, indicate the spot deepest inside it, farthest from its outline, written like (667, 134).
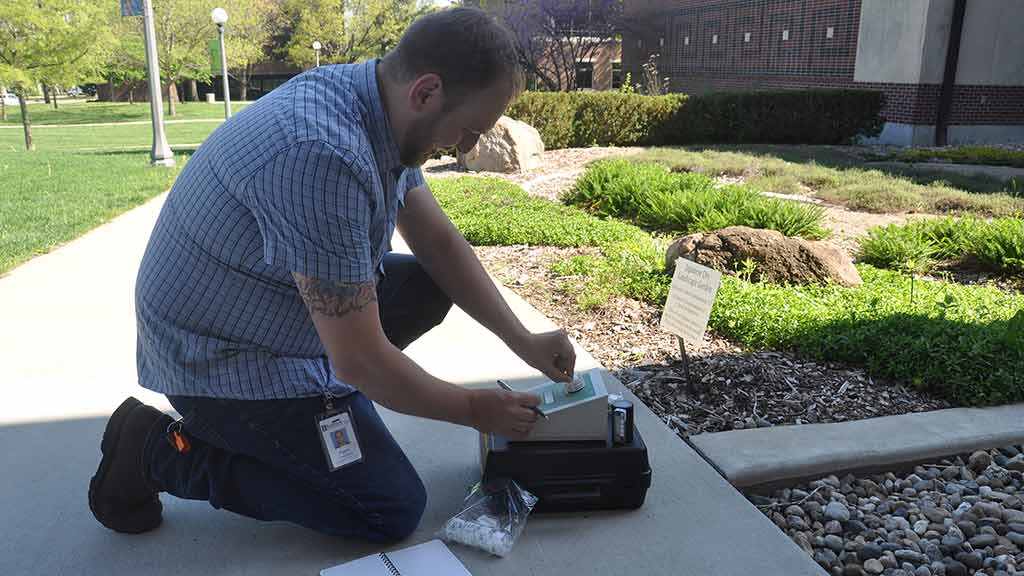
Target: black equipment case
(572, 476)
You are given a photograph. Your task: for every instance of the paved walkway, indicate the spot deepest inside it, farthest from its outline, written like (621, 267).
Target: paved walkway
(67, 359)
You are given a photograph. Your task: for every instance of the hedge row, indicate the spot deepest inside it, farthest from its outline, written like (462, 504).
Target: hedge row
(578, 119)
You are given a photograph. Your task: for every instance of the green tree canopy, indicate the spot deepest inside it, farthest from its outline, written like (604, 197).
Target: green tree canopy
(349, 30)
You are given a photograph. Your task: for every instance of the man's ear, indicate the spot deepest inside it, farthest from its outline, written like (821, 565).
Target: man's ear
(426, 93)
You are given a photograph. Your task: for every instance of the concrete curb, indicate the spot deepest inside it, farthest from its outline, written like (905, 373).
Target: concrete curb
(763, 458)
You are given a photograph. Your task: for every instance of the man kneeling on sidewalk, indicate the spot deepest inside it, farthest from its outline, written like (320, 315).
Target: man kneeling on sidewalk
(272, 313)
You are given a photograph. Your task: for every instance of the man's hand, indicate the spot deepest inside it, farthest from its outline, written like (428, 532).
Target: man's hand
(502, 412)
(551, 353)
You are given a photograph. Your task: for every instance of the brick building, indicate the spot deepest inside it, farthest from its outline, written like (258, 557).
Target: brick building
(953, 64)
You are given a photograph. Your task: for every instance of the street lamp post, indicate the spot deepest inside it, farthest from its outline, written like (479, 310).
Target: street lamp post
(160, 154)
(220, 16)
(317, 46)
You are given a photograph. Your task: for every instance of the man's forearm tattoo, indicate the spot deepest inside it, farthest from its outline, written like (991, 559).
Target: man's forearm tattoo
(335, 299)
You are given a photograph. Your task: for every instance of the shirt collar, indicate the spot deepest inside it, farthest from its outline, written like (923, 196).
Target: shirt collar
(376, 118)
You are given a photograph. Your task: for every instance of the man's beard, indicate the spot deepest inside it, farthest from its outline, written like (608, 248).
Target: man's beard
(417, 146)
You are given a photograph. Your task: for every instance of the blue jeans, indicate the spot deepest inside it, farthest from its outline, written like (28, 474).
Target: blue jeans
(263, 458)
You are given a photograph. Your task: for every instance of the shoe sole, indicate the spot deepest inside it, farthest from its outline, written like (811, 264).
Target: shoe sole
(142, 521)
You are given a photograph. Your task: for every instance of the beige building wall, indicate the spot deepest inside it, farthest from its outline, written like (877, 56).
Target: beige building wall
(992, 50)
(903, 41)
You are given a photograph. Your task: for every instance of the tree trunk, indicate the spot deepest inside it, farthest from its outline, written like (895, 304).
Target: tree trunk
(26, 122)
(172, 97)
(110, 87)
(193, 90)
(131, 94)
(46, 94)
(243, 90)
(3, 110)
(55, 100)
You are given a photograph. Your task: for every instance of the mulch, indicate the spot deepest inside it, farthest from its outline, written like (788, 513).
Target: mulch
(728, 387)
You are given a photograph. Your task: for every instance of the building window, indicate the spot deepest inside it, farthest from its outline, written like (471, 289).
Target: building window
(639, 43)
(785, 35)
(584, 75)
(686, 41)
(616, 75)
(661, 42)
(714, 38)
(830, 32)
(746, 36)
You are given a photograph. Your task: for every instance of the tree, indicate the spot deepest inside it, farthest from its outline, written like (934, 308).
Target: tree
(183, 31)
(349, 30)
(124, 62)
(48, 38)
(553, 35)
(249, 28)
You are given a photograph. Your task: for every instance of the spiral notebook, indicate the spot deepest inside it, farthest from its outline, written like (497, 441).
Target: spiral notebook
(428, 559)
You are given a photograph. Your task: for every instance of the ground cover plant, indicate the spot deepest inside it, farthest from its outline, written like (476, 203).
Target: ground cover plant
(684, 203)
(843, 179)
(995, 245)
(963, 343)
(989, 155)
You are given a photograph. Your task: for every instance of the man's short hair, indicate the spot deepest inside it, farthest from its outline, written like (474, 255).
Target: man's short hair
(467, 47)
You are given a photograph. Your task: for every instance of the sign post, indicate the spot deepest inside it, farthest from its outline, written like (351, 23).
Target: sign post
(160, 154)
(688, 307)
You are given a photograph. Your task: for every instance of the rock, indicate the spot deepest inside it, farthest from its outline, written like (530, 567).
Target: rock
(1015, 463)
(923, 571)
(1010, 451)
(794, 511)
(834, 543)
(837, 511)
(1013, 516)
(797, 523)
(954, 568)
(779, 260)
(1016, 537)
(936, 515)
(869, 551)
(920, 527)
(979, 460)
(933, 552)
(911, 556)
(801, 540)
(853, 570)
(983, 540)
(973, 560)
(874, 566)
(968, 528)
(825, 558)
(950, 472)
(511, 146)
(889, 560)
(833, 527)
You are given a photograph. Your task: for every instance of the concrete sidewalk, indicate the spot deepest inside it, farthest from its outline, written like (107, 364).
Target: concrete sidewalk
(67, 359)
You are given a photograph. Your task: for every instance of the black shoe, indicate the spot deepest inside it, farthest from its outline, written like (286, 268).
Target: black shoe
(120, 497)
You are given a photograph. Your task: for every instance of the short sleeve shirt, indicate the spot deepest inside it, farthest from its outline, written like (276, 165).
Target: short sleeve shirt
(307, 179)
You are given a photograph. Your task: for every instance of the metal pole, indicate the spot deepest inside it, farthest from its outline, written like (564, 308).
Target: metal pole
(224, 72)
(161, 154)
(317, 58)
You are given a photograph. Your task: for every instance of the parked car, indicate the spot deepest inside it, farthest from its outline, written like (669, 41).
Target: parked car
(10, 99)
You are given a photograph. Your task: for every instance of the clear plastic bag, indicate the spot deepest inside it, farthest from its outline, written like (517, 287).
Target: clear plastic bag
(493, 517)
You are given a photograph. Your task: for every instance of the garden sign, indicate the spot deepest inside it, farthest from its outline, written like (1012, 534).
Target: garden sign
(689, 302)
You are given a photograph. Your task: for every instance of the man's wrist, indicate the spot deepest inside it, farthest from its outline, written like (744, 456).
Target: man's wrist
(516, 341)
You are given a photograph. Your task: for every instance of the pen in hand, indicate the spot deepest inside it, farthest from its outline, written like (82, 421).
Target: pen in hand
(534, 408)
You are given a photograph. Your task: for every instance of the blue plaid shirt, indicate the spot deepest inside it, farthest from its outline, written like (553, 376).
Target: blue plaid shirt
(307, 179)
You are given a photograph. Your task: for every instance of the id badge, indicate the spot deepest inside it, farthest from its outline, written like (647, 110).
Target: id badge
(338, 437)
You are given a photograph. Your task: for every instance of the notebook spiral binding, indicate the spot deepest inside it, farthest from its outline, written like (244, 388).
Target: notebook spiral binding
(387, 562)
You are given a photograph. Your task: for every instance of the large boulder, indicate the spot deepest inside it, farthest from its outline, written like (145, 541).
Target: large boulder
(778, 259)
(511, 146)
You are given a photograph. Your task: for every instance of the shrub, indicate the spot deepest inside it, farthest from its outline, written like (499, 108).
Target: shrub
(580, 119)
(997, 245)
(790, 116)
(622, 119)
(685, 203)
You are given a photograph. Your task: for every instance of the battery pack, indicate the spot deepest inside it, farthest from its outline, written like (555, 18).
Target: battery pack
(572, 476)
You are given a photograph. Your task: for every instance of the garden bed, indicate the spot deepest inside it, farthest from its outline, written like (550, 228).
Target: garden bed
(735, 388)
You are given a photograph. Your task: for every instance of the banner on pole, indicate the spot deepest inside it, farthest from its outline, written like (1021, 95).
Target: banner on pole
(131, 8)
(214, 47)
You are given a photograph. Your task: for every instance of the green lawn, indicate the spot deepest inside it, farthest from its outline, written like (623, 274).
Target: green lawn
(50, 198)
(114, 137)
(841, 177)
(94, 112)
